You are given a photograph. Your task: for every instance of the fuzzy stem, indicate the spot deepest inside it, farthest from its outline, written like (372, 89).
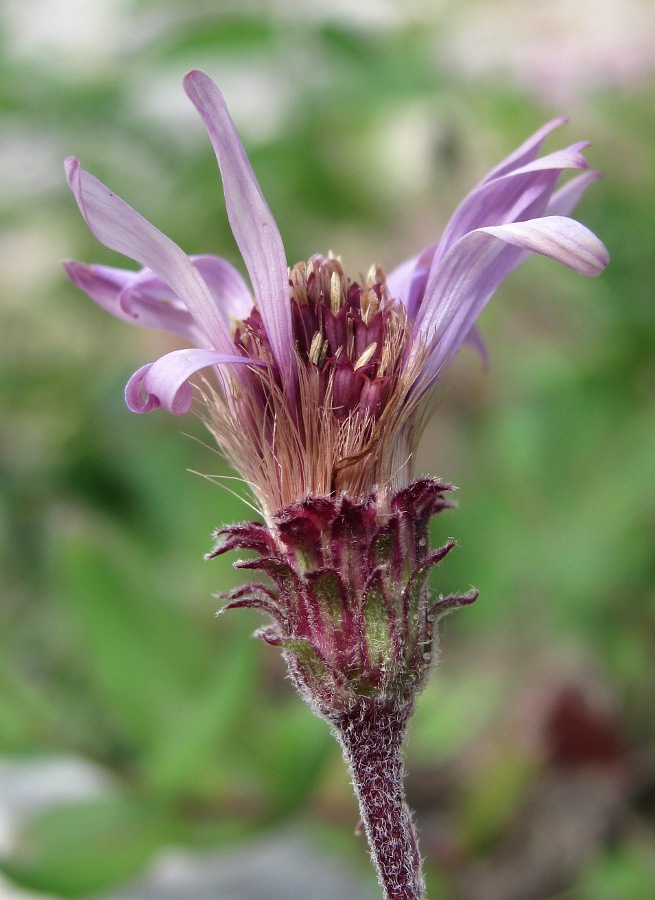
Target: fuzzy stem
(371, 736)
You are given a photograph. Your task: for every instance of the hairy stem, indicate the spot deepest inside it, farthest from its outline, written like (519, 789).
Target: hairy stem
(371, 736)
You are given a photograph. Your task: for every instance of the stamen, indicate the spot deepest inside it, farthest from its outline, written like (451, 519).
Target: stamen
(366, 355)
(318, 349)
(335, 293)
(298, 284)
(350, 337)
(369, 306)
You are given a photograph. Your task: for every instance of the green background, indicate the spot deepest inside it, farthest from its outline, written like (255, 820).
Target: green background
(365, 127)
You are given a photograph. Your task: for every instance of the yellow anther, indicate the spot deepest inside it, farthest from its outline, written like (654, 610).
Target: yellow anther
(366, 355)
(372, 276)
(335, 293)
(316, 349)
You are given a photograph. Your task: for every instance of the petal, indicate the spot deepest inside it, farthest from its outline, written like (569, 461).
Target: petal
(122, 229)
(522, 193)
(251, 220)
(407, 281)
(228, 287)
(139, 298)
(400, 278)
(526, 152)
(477, 264)
(565, 240)
(164, 382)
(486, 205)
(476, 342)
(103, 284)
(564, 201)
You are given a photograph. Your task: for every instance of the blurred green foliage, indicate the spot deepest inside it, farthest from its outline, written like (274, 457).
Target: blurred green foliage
(108, 645)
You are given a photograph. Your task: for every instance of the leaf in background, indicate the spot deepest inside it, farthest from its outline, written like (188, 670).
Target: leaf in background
(72, 850)
(293, 756)
(189, 758)
(135, 652)
(627, 872)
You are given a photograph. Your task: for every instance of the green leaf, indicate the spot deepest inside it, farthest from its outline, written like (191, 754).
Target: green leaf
(138, 654)
(76, 849)
(298, 744)
(190, 757)
(627, 872)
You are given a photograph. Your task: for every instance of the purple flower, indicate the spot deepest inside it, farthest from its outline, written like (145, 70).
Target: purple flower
(317, 389)
(320, 384)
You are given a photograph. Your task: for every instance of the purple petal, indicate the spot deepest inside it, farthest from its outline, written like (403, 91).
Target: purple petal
(477, 264)
(564, 201)
(522, 193)
(139, 298)
(400, 278)
(103, 284)
(526, 152)
(475, 340)
(407, 281)
(122, 229)
(487, 205)
(164, 382)
(228, 288)
(565, 240)
(251, 220)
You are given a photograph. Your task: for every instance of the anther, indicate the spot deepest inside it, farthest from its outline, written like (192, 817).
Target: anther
(366, 356)
(335, 293)
(316, 349)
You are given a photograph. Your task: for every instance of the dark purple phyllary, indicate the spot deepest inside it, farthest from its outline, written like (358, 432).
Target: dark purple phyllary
(317, 388)
(352, 612)
(350, 603)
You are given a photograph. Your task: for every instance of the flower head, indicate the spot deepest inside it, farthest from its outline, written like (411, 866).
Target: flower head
(318, 384)
(317, 388)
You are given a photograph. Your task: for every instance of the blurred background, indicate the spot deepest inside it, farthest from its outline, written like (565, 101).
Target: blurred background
(150, 751)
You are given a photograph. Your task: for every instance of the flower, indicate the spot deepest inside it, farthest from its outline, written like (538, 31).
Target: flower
(319, 392)
(321, 384)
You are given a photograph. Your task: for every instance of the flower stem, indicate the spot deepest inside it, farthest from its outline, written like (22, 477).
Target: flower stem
(371, 736)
